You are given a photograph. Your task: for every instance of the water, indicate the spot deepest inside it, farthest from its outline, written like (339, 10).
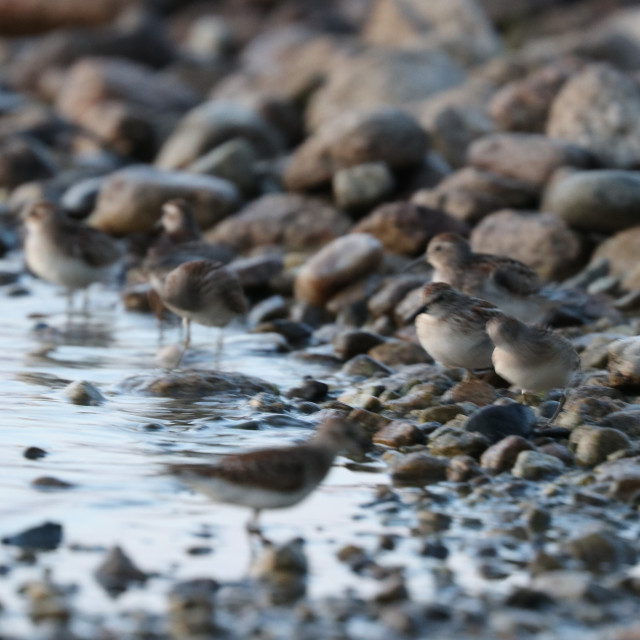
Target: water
(114, 455)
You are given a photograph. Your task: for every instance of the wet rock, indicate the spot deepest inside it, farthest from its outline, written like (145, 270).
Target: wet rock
(593, 444)
(620, 251)
(131, 199)
(533, 465)
(403, 227)
(370, 422)
(358, 137)
(604, 201)
(624, 363)
(117, 572)
(271, 308)
(399, 434)
(460, 27)
(45, 537)
(310, 389)
(194, 384)
(80, 198)
(477, 391)
(350, 343)
(523, 104)
(470, 194)
(338, 264)
(441, 414)
(393, 589)
(497, 422)
(191, 608)
(288, 220)
(364, 366)
(588, 404)
(529, 158)
(381, 77)
(83, 393)
(34, 453)
(209, 125)
(362, 186)
(559, 451)
(282, 572)
(393, 291)
(293, 332)
(601, 551)
(463, 468)
(537, 520)
(47, 601)
(540, 240)
(597, 109)
(419, 468)
(24, 159)
(268, 403)
(48, 482)
(627, 422)
(233, 160)
(450, 441)
(394, 353)
(569, 586)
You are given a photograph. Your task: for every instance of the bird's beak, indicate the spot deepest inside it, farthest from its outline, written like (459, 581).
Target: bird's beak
(413, 264)
(421, 309)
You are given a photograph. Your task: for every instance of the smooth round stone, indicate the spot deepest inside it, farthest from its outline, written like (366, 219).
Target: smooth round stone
(497, 422)
(362, 186)
(604, 201)
(338, 264)
(533, 465)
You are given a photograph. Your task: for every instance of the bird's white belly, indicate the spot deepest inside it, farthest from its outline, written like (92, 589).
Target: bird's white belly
(453, 348)
(535, 378)
(51, 264)
(247, 496)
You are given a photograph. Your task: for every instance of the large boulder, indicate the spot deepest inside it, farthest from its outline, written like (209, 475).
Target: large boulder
(289, 220)
(379, 135)
(541, 240)
(621, 251)
(604, 201)
(598, 109)
(131, 199)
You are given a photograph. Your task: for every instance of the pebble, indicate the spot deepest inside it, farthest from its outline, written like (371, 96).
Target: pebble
(46, 537)
(533, 465)
(450, 441)
(419, 468)
(117, 571)
(83, 393)
(353, 342)
(363, 186)
(399, 434)
(593, 445)
(34, 453)
(497, 422)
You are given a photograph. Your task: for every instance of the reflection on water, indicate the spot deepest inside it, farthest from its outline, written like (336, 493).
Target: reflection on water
(114, 455)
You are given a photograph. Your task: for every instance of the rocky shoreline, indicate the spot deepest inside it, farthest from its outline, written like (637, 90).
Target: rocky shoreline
(322, 145)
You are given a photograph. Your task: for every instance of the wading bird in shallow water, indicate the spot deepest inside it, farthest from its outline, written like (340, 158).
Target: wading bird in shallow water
(275, 478)
(200, 291)
(509, 284)
(66, 252)
(451, 327)
(532, 358)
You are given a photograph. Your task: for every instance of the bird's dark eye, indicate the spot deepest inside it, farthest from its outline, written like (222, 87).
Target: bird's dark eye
(438, 248)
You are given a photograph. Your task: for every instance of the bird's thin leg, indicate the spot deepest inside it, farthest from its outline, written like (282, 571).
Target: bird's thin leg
(253, 527)
(219, 345)
(559, 408)
(468, 376)
(187, 340)
(85, 302)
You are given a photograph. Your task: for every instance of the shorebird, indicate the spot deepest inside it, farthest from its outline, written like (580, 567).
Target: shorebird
(275, 478)
(508, 284)
(532, 358)
(66, 252)
(451, 327)
(181, 236)
(200, 291)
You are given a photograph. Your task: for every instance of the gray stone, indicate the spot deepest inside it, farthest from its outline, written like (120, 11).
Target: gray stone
(624, 363)
(533, 465)
(362, 186)
(497, 422)
(593, 445)
(419, 468)
(602, 551)
(117, 571)
(597, 109)
(83, 393)
(450, 441)
(604, 201)
(503, 455)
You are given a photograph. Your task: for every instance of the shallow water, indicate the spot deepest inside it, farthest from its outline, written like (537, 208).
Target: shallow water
(114, 455)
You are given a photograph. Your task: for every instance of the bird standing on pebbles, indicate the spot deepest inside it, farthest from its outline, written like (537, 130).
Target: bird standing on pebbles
(451, 327)
(509, 284)
(200, 291)
(67, 252)
(532, 358)
(275, 478)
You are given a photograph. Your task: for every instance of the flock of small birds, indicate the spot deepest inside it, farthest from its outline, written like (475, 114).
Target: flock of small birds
(471, 317)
